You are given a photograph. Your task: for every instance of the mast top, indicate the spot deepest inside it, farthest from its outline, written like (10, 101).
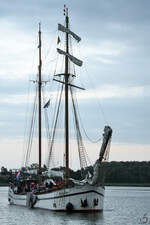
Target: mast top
(65, 11)
(39, 26)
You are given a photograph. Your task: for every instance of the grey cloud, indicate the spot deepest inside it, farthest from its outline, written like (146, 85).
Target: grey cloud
(123, 22)
(128, 118)
(13, 86)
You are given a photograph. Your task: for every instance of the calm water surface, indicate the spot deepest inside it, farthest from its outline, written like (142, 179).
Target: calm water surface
(122, 205)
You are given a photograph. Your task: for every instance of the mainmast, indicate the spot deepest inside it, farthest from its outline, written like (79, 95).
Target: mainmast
(66, 101)
(39, 98)
(66, 82)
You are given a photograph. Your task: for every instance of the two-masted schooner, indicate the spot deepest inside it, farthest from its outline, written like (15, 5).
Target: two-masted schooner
(74, 196)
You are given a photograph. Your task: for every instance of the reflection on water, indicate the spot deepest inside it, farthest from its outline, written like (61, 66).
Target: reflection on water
(44, 217)
(122, 206)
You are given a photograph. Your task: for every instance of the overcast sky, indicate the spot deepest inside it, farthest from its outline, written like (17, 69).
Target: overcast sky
(115, 48)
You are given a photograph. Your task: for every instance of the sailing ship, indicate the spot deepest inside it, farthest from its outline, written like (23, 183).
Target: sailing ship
(71, 195)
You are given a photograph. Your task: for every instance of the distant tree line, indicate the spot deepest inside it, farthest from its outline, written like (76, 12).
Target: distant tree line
(115, 172)
(130, 172)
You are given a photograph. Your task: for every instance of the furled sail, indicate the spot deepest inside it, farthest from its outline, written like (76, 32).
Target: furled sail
(64, 29)
(106, 137)
(78, 62)
(98, 168)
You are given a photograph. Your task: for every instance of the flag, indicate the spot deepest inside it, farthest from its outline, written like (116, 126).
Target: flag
(58, 40)
(18, 175)
(47, 104)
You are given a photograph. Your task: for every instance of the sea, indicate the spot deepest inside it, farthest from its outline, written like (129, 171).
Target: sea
(122, 206)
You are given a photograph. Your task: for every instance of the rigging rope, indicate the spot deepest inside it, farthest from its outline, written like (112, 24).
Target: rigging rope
(81, 147)
(28, 100)
(25, 130)
(46, 116)
(31, 131)
(92, 85)
(93, 141)
(51, 141)
(98, 100)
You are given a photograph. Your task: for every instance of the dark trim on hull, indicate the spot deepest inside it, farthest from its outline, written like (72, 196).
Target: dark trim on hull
(74, 194)
(62, 196)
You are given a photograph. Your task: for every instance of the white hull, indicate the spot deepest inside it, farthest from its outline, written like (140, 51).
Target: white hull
(58, 200)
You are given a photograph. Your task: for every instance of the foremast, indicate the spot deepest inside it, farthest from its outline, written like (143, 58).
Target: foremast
(39, 100)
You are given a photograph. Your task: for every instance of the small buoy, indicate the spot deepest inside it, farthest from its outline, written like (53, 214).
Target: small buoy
(69, 207)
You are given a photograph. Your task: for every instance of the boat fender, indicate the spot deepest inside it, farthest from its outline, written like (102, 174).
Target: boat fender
(84, 203)
(69, 207)
(95, 201)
